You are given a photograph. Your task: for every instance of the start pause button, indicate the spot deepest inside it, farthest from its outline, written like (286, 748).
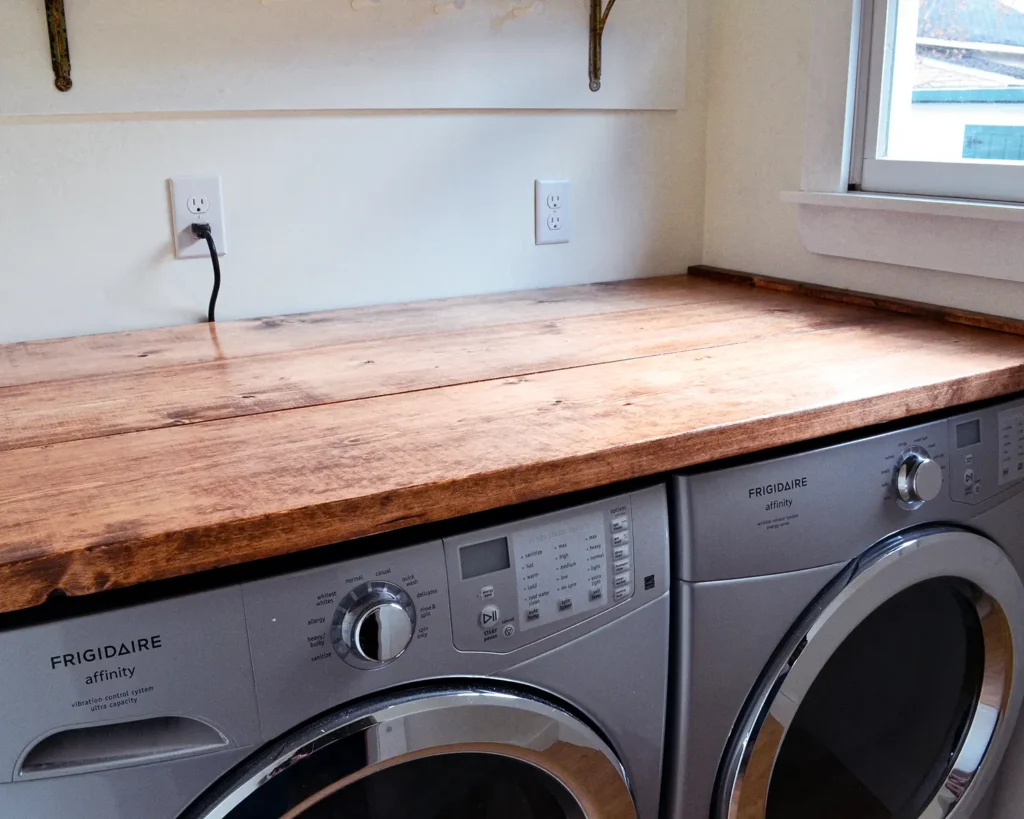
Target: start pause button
(489, 617)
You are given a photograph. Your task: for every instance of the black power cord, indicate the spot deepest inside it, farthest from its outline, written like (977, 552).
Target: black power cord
(201, 230)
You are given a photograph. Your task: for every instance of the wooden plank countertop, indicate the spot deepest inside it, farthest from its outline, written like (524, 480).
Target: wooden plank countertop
(139, 456)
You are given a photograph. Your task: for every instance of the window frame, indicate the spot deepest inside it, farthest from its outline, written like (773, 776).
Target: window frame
(986, 180)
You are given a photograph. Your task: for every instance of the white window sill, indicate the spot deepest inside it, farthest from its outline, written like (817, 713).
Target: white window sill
(954, 235)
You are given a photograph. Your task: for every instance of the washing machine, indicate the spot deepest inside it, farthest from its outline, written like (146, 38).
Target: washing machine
(517, 670)
(851, 625)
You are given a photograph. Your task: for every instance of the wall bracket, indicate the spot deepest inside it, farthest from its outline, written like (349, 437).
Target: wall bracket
(598, 20)
(60, 55)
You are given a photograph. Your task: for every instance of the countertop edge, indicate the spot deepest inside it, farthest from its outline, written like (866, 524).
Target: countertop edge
(131, 561)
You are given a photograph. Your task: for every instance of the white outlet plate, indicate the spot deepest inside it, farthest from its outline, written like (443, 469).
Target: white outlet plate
(553, 211)
(188, 195)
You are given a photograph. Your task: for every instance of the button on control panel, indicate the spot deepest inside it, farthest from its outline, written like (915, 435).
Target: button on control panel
(620, 555)
(489, 617)
(516, 584)
(1011, 445)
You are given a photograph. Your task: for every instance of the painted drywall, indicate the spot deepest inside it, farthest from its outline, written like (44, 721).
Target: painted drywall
(328, 209)
(175, 55)
(757, 92)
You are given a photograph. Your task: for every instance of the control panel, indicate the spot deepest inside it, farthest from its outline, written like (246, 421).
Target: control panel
(987, 453)
(455, 606)
(510, 586)
(366, 612)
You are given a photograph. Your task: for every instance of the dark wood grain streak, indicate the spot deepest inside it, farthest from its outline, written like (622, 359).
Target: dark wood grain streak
(451, 421)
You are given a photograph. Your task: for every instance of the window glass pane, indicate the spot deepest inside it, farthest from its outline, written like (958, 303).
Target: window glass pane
(953, 88)
(880, 727)
(449, 786)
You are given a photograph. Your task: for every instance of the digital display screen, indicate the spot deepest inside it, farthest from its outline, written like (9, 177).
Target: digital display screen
(968, 434)
(484, 558)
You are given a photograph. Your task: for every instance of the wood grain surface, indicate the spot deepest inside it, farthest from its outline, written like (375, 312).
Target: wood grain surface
(141, 456)
(1003, 324)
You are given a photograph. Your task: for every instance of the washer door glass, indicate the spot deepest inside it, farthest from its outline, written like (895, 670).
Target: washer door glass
(430, 754)
(893, 698)
(451, 786)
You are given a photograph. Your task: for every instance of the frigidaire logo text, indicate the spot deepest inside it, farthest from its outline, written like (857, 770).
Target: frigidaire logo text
(775, 488)
(107, 652)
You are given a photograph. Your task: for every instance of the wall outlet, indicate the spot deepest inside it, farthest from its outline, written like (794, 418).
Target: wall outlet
(553, 211)
(197, 199)
(198, 205)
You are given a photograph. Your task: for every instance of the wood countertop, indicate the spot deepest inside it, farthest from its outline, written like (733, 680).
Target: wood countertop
(146, 455)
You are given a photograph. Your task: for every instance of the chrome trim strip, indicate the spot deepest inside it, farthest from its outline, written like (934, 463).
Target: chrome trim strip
(882, 573)
(388, 731)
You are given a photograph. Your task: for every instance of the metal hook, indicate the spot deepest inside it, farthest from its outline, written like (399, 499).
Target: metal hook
(60, 55)
(598, 20)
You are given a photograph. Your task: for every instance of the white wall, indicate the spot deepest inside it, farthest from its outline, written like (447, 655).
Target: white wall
(757, 89)
(327, 209)
(259, 55)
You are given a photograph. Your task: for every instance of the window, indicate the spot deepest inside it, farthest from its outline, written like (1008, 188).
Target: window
(939, 109)
(914, 148)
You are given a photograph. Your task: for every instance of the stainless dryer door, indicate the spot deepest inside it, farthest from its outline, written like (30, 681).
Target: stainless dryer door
(455, 753)
(894, 697)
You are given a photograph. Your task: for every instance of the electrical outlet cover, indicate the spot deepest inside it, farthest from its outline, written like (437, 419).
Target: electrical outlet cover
(553, 212)
(197, 199)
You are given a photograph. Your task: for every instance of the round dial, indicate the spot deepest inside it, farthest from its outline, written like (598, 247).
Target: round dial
(373, 625)
(918, 478)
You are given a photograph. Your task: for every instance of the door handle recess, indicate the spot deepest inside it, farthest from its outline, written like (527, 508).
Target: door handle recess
(117, 745)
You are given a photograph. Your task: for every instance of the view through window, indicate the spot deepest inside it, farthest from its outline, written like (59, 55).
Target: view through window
(941, 102)
(957, 81)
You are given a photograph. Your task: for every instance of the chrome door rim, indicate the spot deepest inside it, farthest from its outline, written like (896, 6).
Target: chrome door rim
(375, 724)
(879, 575)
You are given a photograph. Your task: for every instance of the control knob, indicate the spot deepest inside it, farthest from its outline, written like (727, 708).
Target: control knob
(373, 625)
(918, 478)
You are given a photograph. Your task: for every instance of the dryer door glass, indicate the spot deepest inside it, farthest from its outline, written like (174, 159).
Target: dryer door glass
(879, 728)
(455, 754)
(893, 696)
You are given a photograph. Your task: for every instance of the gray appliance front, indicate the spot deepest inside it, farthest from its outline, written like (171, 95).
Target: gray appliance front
(828, 505)
(726, 632)
(588, 657)
(227, 671)
(757, 543)
(801, 511)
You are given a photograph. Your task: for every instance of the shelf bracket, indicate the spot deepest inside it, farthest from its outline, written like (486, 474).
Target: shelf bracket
(60, 55)
(598, 20)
